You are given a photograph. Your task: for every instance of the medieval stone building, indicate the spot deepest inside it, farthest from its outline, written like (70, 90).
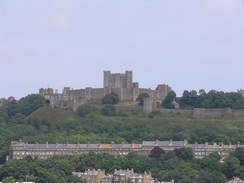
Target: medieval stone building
(122, 84)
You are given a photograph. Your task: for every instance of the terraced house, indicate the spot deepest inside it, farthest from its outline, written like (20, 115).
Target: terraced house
(19, 149)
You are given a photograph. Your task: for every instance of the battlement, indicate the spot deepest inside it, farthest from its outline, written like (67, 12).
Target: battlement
(117, 80)
(120, 83)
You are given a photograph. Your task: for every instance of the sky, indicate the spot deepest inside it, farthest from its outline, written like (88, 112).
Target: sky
(188, 45)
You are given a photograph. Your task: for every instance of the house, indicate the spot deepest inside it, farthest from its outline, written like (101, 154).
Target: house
(92, 176)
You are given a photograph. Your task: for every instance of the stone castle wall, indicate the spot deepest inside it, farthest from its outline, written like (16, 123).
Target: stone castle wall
(203, 112)
(122, 84)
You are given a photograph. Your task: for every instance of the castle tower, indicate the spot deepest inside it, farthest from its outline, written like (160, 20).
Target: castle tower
(117, 80)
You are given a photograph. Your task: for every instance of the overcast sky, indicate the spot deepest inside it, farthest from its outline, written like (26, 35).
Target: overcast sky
(189, 45)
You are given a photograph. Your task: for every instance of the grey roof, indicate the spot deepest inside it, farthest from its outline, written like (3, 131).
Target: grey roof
(174, 144)
(163, 143)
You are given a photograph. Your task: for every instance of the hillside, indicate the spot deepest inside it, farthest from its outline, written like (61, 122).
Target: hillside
(53, 115)
(137, 126)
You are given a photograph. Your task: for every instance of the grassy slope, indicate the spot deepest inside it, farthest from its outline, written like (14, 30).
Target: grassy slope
(159, 122)
(54, 115)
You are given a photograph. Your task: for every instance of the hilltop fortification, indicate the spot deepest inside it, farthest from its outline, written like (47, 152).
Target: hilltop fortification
(120, 83)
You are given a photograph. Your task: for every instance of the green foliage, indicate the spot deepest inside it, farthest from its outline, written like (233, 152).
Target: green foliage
(108, 110)
(9, 180)
(167, 102)
(112, 98)
(187, 154)
(30, 103)
(58, 125)
(84, 109)
(156, 152)
(167, 167)
(18, 118)
(141, 96)
(212, 99)
(24, 106)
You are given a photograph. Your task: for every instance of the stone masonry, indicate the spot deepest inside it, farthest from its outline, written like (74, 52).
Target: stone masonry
(122, 84)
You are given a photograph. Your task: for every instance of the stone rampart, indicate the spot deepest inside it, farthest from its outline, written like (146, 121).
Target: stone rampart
(129, 108)
(180, 111)
(238, 112)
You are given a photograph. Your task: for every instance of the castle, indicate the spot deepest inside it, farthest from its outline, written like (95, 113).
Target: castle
(120, 83)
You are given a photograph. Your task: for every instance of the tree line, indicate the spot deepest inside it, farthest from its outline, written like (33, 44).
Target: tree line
(178, 165)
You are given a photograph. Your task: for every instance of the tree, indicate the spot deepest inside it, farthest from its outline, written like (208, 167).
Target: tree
(141, 96)
(108, 110)
(156, 152)
(184, 153)
(75, 179)
(9, 180)
(188, 98)
(84, 109)
(167, 102)
(30, 103)
(112, 98)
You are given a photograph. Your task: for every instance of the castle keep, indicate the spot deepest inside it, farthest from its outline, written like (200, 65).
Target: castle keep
(120, 83)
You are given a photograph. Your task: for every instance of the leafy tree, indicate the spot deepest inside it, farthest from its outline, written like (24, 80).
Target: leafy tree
(167, 102)
(108, 110)
(17, 118)
(184, 153)
(188, 98)
(156, 152)
(4, 115)
(215, 155)
(239, 153)
(11, 108)
(112, 98)
(141, 96)
(84, 109)
(213, 176)
(233, 167)
(211, 163)
(75, 179)
(30, 103)
(9, 180)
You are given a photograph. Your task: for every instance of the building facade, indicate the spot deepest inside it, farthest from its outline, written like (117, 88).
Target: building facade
(19, 149)
(119, 176)
(91, 176)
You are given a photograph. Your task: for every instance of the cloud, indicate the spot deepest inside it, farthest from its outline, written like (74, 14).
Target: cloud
(58, 20)
(228, 7)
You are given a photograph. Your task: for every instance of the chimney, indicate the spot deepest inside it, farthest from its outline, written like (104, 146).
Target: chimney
(170, 143)
(156, 143)
(185, 142)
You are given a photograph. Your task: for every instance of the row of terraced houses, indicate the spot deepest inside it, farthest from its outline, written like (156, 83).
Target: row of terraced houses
(19, 149)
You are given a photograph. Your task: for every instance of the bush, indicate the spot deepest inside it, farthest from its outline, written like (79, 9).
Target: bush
(140, 98)
(112, 98)
(84, 109)
(108, 110)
